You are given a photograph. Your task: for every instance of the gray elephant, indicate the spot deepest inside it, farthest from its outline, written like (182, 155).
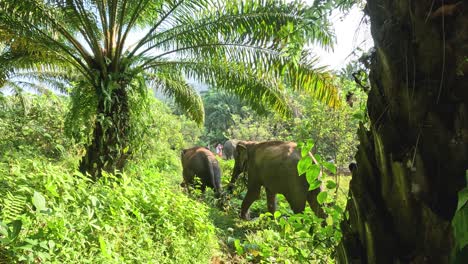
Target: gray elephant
(229, 148)
(200, 162)
(273, 164)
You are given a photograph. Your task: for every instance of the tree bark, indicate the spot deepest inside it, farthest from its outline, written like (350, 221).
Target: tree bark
(108, 150)
(412, 161)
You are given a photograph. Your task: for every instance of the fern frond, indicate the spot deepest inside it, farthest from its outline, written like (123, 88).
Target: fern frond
(13, 206)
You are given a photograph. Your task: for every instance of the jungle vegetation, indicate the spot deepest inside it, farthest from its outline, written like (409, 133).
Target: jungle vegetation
(90, 158)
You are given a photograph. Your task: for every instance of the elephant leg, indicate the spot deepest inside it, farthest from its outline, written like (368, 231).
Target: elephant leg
(253, 193)
(313, 203)
(271, 201)
(188, 179)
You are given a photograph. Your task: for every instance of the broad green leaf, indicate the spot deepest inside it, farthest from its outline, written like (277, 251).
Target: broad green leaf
(238, 246)
(304, 152)
(330, 166)
(304, 164)
(44, 244)
(3, 229)
(51, 244)
(331, 184)
(460, 220)
(460, 227)
(94, 200)
(33, 242)
(358, 116)
(312, 173)
(315, 185)
(39, 201)
(277, 214)
(306, 147)
(16, 229)
(462, 198)
(318, 158)
(322, 197)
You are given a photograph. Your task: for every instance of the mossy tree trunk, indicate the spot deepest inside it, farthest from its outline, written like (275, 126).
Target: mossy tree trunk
(412, 161)
(109, 146)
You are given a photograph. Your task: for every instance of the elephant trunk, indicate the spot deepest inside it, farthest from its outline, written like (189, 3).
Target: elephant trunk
(235, 175)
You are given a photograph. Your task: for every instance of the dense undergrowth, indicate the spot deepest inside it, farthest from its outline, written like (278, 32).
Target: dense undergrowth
(281, 238)
(135, 217)
(50, 213)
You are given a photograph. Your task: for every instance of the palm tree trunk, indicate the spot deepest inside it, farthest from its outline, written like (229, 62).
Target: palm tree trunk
(108, 150)
(412, 162)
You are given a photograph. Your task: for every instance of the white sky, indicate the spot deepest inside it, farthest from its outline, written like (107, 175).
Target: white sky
(351, 32)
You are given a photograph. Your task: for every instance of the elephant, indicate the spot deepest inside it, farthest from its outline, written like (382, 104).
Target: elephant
(273, 164)
(230, 148)
(201, 162)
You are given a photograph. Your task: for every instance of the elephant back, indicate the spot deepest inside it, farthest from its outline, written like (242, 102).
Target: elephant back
(196, 154)
(276, 151)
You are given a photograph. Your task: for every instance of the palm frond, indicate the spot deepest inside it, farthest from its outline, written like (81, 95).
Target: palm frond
(252, 48)
(268, 24)
(249, 85)
(173, 84)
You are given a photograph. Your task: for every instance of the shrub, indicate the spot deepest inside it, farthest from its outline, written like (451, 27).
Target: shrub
(33, 124)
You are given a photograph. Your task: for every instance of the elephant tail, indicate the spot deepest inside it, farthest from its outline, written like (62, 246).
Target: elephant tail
(215, 174)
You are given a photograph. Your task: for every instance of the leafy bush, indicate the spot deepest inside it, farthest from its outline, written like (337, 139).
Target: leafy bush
(34, 124)
(289, 238)
(333, 129)
(136, 217)
(50, 213)
(159, 135)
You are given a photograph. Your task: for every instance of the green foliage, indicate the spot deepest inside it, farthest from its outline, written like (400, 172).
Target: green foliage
(333, 129)
(137, 217)
(250, 127)
(34, 124)
(251, 48)
(220, 107)
(81, 112)
(156, 131)
(286, 238)
(460, 228)
(50, 213)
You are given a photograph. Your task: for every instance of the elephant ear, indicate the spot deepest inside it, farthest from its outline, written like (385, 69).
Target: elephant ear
(182, 153)
(242, 151)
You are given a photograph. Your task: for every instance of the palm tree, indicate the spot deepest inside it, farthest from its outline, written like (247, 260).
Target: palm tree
(412, 161)
(252, 48)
